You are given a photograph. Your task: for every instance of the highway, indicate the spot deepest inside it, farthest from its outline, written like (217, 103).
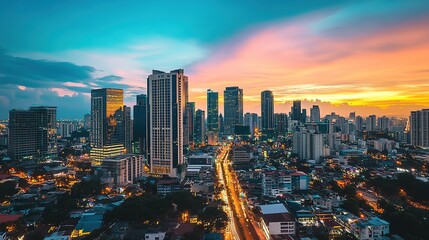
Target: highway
(242, 224)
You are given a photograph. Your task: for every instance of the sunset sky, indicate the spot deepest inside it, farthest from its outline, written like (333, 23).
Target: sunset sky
(363, 56)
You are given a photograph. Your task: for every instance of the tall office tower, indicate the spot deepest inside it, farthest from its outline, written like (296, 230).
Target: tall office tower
(251, 120)
(200, 133)
(87, 121)
(280, 124)
(221, 125)
(267, 110)
(359, 123)
(419, 128)
(233, 109)
(308, 145)
(212, 110)
(126, 121)
(304, 115)
(188, 125)
(352, 116)
(296, 111)
(166, 103)
(32, 133)
(315, 113)
(139, 124)
(370, 123)
(384, 124)
(107, 123)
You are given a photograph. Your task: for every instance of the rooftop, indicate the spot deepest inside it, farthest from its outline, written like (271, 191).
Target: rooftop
(273, 208)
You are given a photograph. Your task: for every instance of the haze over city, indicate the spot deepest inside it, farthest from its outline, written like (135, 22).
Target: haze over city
(363, 56)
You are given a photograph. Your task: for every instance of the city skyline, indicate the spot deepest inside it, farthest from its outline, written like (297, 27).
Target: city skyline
(365, 57)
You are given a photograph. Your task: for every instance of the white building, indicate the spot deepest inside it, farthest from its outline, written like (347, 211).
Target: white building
(371, 229)
(276, 183)
(121, 170)
(167, 97)
(419, 128)
(277, 221)
(308, 145)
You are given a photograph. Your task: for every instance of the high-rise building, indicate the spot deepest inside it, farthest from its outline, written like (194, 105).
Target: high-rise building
(304, 115)
(109, 123)
(199, 127)
(139, 124)
(32, 133)
(166, 103)
(87, 121)
(352, 116)
(371, 123)
(419, 128)
(126, 122)
(308, 145)
(315, 113)
(251, 120)
(280, 124)
(384, 124)
(267, 110)
(65, 128)
(296, 111)
(212, 110)
(233, 109)
(189, 124)
(221, 125)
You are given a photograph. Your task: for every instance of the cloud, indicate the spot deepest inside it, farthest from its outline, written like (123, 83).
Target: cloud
(26, 81)
(369, 71)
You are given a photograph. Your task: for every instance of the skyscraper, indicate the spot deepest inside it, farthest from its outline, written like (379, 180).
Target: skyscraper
(139, 124)
(188, 125)
(212, 110)
(166, 103)
(296, 111)
(233, 109)
(32, 133)
(251, 120)
(108, 126)
(280, 124)
(199, 128)
(370, 124)
(419, 128)
(315, 113)
(384, 124)
(267, 110)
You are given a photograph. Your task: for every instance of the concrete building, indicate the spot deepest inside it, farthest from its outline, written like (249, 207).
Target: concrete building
(251, 120)
(371, 123)
(166, 103)
(240, 154)
(419, 128)
(189, 125)
(233, 109)
(275, 183)
(281, 124)
(199, 127)
(371, 229)
(32, 133)
(315, 113)
(277, 222)
(121, 170)
(308, 145)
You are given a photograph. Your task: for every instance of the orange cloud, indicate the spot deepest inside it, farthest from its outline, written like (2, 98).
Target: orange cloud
(384, 72)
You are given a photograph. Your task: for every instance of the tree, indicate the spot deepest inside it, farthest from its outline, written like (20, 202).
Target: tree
(213, 218)
(7, 189)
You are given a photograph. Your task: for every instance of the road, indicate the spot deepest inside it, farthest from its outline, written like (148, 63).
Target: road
(243, 225)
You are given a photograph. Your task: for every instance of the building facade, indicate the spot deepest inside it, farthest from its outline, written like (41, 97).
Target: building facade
(212, 110)
(166, 102)
(140, 125)
(32, 133)
(267, 110)
(233, 109)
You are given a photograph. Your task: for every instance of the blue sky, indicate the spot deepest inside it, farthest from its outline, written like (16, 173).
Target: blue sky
(53, 52)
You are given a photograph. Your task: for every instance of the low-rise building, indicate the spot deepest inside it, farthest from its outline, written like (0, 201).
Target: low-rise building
(121, 170)
(281, 182)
